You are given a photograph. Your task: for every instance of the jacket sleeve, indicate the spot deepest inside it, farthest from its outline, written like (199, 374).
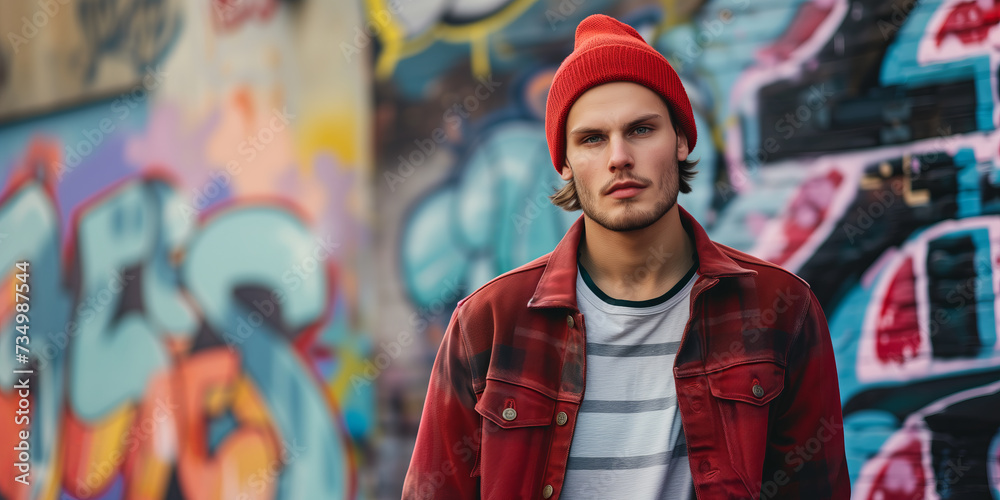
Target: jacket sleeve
(805, 453)
(447, 446)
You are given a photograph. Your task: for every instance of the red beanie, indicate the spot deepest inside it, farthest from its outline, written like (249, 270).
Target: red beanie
(607, 50)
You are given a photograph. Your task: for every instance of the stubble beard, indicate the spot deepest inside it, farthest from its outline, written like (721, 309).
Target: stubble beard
(630, 218)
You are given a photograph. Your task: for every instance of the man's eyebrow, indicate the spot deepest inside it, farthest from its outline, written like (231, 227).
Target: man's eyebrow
(592, 130)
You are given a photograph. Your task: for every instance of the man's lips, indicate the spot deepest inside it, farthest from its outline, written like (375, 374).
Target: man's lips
(625, 189)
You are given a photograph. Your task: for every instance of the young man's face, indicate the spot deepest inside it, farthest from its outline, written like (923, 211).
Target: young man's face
(619, 133)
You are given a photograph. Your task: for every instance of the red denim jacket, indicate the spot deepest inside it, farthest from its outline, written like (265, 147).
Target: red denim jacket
(755, 376)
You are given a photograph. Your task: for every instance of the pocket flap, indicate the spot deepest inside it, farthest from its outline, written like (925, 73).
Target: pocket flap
(510, 405)
(754, 383)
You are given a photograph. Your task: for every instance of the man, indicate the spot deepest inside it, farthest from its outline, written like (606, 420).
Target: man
(707, 371)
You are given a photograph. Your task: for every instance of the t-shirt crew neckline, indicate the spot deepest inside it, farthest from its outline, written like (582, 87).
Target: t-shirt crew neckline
(636, 303)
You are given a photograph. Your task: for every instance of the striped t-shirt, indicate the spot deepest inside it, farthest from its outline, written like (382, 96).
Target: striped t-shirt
(628, 441)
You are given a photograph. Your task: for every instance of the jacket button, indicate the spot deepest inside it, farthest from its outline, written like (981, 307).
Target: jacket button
(547, 491)
(561, 418)
(758, 391)
(569, 322)
(509, 414)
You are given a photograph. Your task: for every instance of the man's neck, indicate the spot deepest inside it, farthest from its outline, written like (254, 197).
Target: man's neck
(637, 265)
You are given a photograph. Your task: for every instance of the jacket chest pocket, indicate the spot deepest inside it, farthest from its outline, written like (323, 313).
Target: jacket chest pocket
(743, 393)
(516, 434)
(754, 383)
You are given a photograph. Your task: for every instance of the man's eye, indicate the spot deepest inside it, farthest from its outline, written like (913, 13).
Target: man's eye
(643, 130)
(591, 139)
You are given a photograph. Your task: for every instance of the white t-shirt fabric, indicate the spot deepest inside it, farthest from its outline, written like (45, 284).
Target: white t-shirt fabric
(629, 442)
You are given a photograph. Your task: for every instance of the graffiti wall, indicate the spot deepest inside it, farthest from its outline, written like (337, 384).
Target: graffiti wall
(236, 229)
(853, 142)
(184, 216)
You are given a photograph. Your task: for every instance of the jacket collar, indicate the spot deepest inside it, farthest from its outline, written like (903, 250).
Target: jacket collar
(557, 286)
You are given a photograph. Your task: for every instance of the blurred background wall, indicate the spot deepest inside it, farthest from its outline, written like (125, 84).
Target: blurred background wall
(190, 183)
(248, 221)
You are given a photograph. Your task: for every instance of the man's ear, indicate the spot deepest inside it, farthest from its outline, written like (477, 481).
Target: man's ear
(567, 172)
(682, 145)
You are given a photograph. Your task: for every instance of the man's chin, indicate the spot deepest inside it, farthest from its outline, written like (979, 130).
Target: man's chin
(628, 219)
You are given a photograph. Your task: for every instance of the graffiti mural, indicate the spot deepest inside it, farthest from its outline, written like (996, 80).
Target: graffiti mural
(856, 136)
(196, 230)
(160, 394)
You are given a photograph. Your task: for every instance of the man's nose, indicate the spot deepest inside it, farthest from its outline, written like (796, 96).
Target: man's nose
(620, 153)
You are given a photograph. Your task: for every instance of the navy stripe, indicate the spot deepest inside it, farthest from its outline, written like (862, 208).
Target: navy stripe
(627, 351)
(627, 406)
(619, 463)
